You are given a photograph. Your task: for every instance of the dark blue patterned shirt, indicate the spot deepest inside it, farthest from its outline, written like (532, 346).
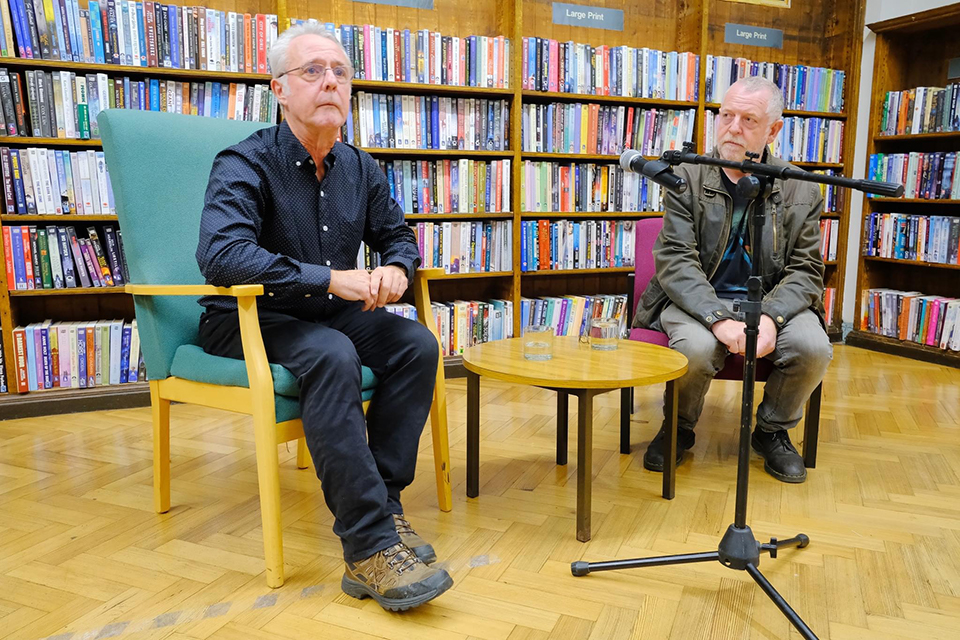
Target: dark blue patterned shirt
(267, 220)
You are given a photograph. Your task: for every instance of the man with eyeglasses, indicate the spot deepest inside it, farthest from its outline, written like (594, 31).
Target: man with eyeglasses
(288, 208)
(703, 259)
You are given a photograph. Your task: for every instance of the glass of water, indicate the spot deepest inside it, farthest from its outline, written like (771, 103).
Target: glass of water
(603, 334)
(538, 342)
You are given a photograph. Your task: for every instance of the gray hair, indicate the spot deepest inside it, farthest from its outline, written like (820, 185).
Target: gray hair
(277, 55)
(754, 84)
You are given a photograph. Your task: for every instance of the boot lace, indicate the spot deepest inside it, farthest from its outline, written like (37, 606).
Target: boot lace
(403, 527)
(400, 558)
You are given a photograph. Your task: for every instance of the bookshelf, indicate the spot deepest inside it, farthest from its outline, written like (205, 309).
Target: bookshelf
(911, 51)
(696, 27)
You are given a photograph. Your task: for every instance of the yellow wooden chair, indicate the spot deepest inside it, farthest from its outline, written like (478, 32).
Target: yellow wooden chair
(159, 166)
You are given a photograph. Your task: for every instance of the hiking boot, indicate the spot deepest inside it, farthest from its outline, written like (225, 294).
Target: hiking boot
(780, 458)
(396, 578)
(409, 537)
(653, 458)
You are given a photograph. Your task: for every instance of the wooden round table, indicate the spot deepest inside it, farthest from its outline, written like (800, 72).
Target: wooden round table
(579, 370)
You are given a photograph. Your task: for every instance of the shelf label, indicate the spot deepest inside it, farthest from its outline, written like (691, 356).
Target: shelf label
(754, 36)
(577, 15)
(953, 69)
(408, 4)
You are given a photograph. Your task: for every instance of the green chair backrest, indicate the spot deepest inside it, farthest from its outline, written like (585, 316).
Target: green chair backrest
(159, 166)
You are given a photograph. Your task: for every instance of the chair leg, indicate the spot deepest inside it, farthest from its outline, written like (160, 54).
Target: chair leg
(303, 454)
(811, 428)
(160, 410)
(441, 444)
(268, 475)
(626, 410)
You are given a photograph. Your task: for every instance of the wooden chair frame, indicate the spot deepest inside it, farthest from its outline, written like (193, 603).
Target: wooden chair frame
(258, 401)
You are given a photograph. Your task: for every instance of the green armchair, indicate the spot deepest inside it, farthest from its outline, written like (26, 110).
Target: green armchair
(159, 167)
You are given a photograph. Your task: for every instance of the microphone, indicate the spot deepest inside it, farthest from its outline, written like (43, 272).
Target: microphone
(656, 170)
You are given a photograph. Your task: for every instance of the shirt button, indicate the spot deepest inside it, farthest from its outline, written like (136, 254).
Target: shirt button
(328, 263)
(306, 295)
(270, 293)
(330, 295)
(780, 319)
(310, 161)
(321, 193)
(298, 163)
(324, 227)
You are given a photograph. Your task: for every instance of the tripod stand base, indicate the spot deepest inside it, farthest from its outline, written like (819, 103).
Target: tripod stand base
(738, 550)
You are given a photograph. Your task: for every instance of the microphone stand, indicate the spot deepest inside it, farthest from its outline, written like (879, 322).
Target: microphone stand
(739, 548)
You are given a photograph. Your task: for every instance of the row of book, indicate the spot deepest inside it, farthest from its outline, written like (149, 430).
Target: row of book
(829, 303)
(449, 186)
(911, 316)
(829, 236)
(832, 195)
(596, 129)
(573, 67)
(466, 247)
(427, 122)
(423, 56)
(551, 186)
(921, 110)
(57, 258)
(800, 139)
(571, 315)
(924, 175)
(905, 236)
(61, 104)
(548, 245)
(139, 34)
(465, 323)
(804, 88)
(77, 355)
(38, 181)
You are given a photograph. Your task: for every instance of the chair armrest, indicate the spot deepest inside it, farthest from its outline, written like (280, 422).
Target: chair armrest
(237, 291)
(428, 274)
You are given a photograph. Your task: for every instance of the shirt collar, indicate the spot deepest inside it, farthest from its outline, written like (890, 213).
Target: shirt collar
(296, 154)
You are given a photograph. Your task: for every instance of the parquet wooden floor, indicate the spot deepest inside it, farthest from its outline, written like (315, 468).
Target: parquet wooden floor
(82, 555)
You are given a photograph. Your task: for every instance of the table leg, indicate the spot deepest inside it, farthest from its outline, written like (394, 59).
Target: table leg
(626, 410)
(473, 434)
(563, 420)
(670, 443)
(584, 463)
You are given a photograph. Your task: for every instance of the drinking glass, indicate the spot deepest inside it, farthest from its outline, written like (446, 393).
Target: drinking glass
(538, 342)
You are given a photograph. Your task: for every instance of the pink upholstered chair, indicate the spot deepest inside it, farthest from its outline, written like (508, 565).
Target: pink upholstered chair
(647, 231)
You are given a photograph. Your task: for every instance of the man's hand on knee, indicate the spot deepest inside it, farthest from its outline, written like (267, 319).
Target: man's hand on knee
(730, 333)
(387, 284)
(767, 339)
(353, 285)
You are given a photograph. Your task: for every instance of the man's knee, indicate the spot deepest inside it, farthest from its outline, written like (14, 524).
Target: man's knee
(700, 348)
(423, 346)
(809, 347)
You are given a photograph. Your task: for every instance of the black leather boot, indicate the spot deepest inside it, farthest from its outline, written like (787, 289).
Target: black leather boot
(781, 459)
(653, 458)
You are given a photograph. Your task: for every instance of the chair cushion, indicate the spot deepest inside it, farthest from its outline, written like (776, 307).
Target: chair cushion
(190, 362)
(288, 408)
(649, 336)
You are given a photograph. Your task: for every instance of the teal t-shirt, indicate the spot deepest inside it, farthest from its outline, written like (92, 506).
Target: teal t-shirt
(730, 279)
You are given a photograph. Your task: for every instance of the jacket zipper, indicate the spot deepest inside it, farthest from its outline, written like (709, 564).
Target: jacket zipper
(726, 239)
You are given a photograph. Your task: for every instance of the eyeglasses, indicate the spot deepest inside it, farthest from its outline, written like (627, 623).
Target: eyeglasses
(313, 71)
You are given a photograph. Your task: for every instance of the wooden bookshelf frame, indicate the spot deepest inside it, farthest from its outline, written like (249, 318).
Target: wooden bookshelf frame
(911, 51)
(825, 33)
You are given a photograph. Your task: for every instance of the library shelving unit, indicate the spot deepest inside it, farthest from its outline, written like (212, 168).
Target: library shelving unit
(911, 51)
(822, 33)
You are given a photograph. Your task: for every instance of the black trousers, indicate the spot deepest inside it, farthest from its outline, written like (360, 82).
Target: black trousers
(363, 464)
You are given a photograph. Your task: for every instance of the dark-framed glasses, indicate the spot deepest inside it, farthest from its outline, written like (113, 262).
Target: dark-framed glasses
(313, 71)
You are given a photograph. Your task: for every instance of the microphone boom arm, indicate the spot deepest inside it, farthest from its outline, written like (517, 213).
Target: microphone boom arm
(687, 156)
